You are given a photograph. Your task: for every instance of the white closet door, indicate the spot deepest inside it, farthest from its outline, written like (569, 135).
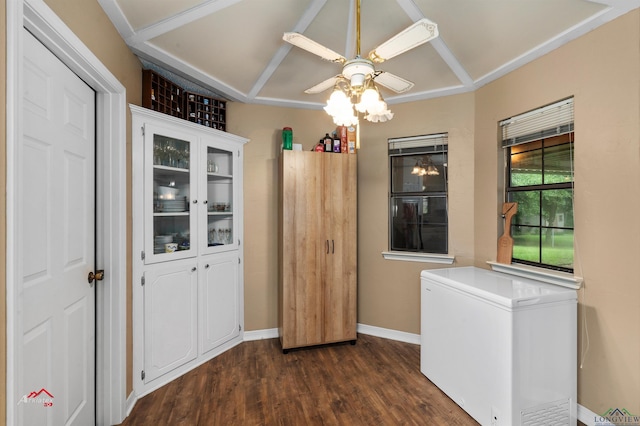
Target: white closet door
(57, 235)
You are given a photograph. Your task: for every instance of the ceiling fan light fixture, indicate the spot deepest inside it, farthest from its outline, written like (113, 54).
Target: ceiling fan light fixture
(358, 66)
(340, 108)
(379, 117)
(368, 100)
(358, 73)
(357, 80)
(432, 170)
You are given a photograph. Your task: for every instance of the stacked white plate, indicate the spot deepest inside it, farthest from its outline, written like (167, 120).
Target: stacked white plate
(159, 242)
(172, 206)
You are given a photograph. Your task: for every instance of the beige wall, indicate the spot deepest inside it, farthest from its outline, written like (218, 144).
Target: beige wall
(600, 69)
(263, 126)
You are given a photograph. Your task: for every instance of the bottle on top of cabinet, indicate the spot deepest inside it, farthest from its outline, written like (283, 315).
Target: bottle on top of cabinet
(328, 143)
(287, 138)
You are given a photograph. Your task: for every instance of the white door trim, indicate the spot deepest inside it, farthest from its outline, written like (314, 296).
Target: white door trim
(40, 20)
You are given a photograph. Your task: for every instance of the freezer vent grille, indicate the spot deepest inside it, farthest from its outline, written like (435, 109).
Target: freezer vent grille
(550, 414)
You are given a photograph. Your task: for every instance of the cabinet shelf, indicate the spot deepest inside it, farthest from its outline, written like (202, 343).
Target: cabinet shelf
(219, 176)
(170, 169)
(171, 214)
(160, 94)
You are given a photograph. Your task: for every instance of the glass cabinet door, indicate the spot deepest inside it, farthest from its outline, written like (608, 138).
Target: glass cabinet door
(218, 224)
(170, 195)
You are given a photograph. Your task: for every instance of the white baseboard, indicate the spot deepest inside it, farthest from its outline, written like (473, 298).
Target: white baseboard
(131, 401)
(589, 418)
(267, 333)
(387, 333)
(401, 336)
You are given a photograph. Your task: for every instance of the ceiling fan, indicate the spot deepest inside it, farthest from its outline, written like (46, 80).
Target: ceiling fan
(360, 70)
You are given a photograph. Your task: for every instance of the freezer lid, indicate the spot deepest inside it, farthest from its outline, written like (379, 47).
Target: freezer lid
(507, 290)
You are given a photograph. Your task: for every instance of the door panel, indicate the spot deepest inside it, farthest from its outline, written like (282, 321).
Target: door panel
(219, 300)
(170, 318)
(57, 236)
(340, 290)
(170, 208)
(306, 249)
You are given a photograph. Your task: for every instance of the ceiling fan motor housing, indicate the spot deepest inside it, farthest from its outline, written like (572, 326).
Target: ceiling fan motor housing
(356, 70)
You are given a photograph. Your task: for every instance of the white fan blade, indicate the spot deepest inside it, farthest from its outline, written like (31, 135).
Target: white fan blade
(309, 45)
(393, 82)
(413, 36)
(321, 87)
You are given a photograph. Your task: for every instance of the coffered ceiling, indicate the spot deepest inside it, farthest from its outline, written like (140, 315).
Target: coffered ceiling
(235, 47)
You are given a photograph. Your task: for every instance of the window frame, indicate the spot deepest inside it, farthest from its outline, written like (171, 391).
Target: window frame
(533, 128)
(415, 146)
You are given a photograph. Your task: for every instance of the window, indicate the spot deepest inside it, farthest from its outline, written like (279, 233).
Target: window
(539, 148)
(418, 197)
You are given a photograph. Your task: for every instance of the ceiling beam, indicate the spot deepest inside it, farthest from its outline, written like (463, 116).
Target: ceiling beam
(415, 14)
(303, 23)
(178, 20)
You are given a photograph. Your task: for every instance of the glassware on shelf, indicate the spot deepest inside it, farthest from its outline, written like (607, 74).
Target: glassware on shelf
(170, 152)
(219, 236)
(220, 207)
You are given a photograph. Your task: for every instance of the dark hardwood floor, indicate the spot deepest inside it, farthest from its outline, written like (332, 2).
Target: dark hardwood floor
(375, 382)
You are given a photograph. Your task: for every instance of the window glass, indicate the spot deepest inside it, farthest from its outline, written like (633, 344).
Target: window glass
(526, 168)
(541, 182)
(418, 219)
(557, 164)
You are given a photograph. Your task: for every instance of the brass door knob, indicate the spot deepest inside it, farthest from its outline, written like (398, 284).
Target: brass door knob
(98, 276)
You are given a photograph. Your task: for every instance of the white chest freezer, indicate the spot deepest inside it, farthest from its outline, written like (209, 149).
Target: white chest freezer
(504, 348)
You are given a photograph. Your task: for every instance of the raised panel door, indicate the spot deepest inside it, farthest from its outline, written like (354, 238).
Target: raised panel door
(55, 312)
(218, 299)
(170, 318)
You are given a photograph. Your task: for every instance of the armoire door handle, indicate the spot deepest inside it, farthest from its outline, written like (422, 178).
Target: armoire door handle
(332, 247)
(327, 241)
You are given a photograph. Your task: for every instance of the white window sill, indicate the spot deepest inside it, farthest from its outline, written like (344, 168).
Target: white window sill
(418, 257)
(552, 277)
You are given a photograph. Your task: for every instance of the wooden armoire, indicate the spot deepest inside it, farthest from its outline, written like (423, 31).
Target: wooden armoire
(317, 248)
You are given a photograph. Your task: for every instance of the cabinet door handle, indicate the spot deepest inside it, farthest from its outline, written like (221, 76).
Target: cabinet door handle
(193, 269)
(195, 201)
(206, 266)
(332, 247)
(327, 241)
(204, 202)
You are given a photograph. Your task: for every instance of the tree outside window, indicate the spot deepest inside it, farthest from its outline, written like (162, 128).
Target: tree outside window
(540, 180)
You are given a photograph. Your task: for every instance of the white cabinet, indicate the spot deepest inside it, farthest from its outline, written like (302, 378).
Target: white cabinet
(187, 236)
(218, 292)
(170, 322)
